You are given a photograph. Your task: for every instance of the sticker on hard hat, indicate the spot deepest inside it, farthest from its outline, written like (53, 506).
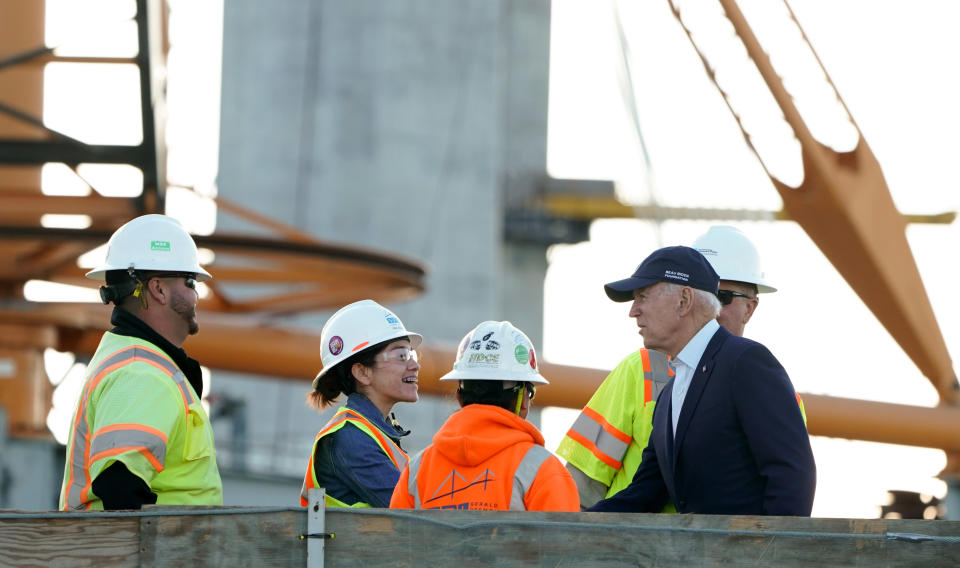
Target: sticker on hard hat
(521, 354)
(335, 345)
(475, 345)
(492, 345)
(393, 320)
(533, 360)
(160, 246)
(484, 360)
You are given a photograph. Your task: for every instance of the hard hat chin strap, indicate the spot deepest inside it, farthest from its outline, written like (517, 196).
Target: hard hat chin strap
(138, 293)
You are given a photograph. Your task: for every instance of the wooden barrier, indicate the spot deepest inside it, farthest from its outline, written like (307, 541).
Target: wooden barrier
(222, 536)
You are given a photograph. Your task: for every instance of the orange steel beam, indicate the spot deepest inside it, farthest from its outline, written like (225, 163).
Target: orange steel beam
(283, 229)
(27, 209)
(21, 27)
(27, 394)
(249, 345)
(296, 355)
(609, 207)
(310, 275)
(47, 56)
(49, 258)
(937, 427)
(846, 208)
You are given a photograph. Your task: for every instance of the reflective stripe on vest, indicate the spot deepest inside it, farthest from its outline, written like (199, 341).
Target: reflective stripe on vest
(607, 443)
(657, 367)
(523, 477)
(412, 479)
(803, 411)
(116, 438)
(339, 420)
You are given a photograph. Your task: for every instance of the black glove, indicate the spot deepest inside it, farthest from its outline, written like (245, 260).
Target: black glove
(120, 489)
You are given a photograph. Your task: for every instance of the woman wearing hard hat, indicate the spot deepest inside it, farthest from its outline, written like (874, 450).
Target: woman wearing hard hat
(487, 456)
(371, 357)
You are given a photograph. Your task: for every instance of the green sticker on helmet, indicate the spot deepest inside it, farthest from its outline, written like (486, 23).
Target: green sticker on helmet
(160, 245)
(521, 354)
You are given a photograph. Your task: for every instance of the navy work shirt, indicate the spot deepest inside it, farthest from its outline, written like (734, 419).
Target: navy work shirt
(350, 465)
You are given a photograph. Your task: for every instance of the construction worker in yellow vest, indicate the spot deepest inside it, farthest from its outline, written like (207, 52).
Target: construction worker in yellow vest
(139, 434)
(603, 447)
(371, 357)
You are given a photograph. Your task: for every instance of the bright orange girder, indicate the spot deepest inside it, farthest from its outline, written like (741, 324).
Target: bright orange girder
(846, 208)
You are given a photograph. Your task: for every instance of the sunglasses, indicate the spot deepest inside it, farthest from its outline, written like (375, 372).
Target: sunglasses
(189, 278)
(727, 296)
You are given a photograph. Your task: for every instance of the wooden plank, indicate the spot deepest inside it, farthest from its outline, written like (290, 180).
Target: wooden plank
(223, 537)
(44, 540)
(217, 536)
(472, 538)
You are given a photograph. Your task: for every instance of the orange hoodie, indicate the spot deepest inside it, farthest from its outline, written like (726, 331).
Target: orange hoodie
(486, 458)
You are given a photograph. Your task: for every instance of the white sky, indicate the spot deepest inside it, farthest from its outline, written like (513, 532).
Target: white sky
(894, 64)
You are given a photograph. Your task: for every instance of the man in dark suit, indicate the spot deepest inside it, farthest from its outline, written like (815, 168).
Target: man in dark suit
(728, 436)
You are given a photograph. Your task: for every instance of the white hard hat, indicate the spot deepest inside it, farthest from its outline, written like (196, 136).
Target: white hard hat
(356, 327)
(733, 256)
(151, 242)
(496, 351)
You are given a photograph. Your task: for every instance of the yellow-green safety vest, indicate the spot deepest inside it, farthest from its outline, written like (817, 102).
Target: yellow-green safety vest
(606, 441)
(340, 419)
(138, 408)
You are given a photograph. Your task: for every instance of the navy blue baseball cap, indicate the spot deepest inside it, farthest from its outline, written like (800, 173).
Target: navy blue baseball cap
(680, 265)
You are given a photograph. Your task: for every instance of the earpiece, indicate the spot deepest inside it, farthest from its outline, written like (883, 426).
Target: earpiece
(108, 294)
(116, 292)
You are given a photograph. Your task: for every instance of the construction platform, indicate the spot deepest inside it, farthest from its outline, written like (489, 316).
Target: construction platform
(224, 536)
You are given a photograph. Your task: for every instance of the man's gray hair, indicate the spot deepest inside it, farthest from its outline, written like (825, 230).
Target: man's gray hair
(707, 302)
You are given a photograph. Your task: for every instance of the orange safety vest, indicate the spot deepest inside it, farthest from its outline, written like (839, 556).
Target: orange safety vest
(340, 419)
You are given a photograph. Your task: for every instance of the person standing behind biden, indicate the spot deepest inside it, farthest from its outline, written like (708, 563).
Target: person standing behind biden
(728, 436)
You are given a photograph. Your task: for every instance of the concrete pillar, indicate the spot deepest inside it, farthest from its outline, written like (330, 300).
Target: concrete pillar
(406, 126)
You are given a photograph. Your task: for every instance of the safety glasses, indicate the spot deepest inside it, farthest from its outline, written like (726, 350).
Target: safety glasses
(189, 278)
(531, 389)
(727, 296)
(399, 354)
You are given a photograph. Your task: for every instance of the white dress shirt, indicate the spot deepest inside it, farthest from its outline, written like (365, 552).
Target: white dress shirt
(685, 363)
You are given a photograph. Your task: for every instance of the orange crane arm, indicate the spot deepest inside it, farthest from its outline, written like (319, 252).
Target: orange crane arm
(845, 206)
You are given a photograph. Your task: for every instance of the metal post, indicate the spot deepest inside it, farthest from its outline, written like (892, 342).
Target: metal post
(4, 482)
(951, 501)
(315, 528)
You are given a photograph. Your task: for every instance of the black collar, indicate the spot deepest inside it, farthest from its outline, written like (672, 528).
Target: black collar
(129, 325)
